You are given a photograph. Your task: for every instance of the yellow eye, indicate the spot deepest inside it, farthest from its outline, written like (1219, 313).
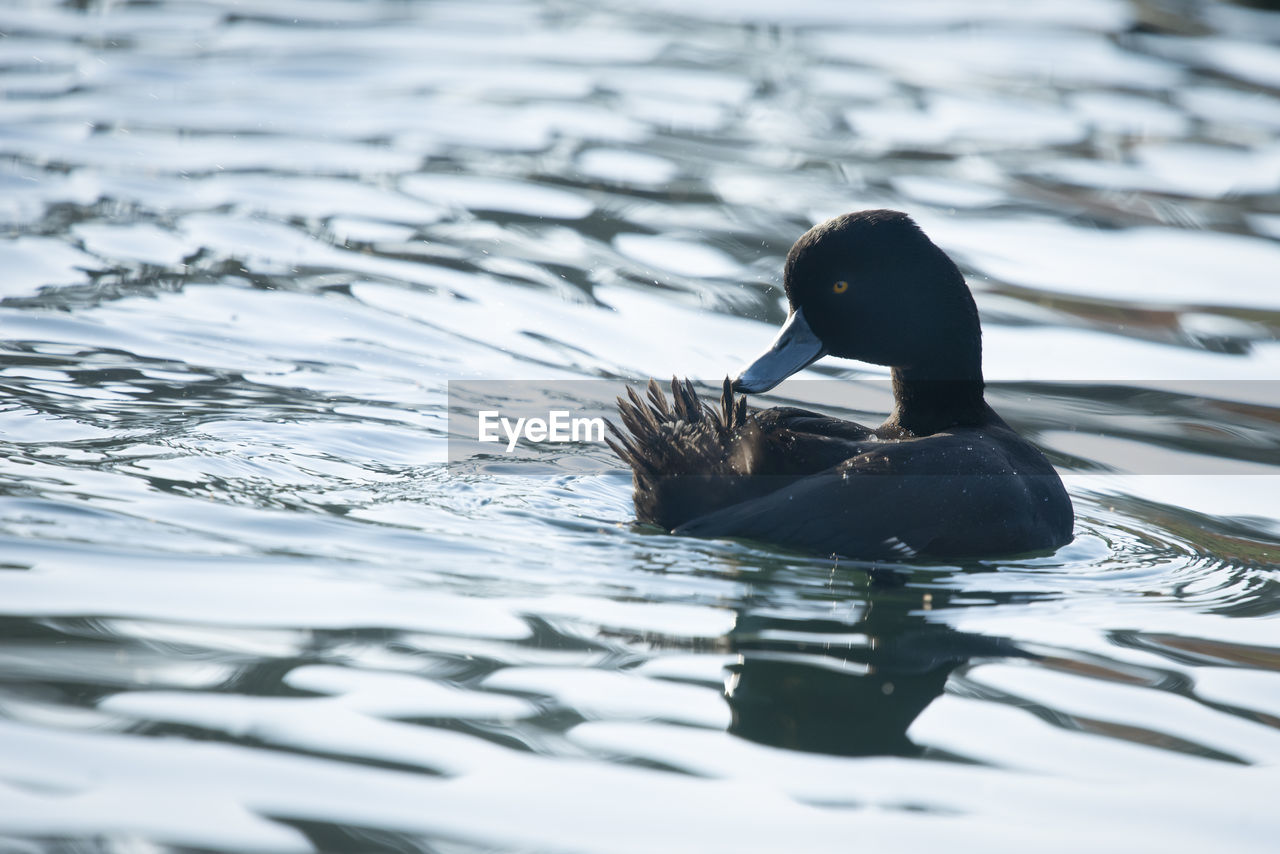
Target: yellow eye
(840, 287)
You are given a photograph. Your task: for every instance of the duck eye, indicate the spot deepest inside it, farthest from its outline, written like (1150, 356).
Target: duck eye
(840, 287)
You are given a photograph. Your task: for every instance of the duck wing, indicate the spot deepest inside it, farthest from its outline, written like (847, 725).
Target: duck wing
(904, 499)
(865, 516)
(690, 459)
(687, 459)
(792, 419)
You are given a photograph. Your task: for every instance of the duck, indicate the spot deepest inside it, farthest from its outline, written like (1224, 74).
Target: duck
(944, 477)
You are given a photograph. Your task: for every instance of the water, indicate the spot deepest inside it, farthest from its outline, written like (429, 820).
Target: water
(246, 608)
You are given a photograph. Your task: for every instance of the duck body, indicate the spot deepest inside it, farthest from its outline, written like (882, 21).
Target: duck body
(943, 477)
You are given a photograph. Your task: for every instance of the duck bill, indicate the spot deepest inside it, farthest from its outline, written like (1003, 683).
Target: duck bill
(795, 348)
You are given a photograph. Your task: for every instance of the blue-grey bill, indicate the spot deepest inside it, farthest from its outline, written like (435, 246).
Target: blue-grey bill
(796, 347)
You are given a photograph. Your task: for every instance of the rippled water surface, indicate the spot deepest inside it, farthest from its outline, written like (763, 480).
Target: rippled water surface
(245, 607)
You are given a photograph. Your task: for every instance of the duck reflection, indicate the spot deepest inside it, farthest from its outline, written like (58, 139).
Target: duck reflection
(846, 686)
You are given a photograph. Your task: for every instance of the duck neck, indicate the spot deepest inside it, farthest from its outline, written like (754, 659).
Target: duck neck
(929, 399)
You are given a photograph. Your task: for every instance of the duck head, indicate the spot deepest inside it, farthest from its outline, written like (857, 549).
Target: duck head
(871, 286)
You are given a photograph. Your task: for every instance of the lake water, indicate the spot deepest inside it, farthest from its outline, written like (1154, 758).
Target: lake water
(245, 606)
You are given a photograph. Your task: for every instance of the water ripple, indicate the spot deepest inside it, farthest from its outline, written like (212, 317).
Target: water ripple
(246, 250)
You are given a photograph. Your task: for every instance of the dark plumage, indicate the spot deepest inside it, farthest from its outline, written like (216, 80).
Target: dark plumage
(944, 476)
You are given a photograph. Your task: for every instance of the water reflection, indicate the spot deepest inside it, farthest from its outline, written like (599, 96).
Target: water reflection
(850, 688)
